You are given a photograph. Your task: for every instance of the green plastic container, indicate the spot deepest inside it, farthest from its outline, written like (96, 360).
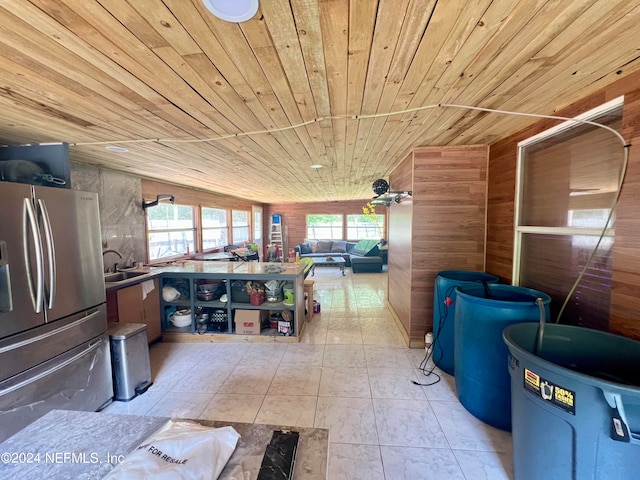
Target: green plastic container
(575, 405)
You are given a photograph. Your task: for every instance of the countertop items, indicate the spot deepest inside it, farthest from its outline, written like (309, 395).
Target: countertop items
(68, 444)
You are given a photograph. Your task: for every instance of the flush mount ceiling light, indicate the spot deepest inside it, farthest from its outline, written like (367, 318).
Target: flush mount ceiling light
(113, 148)
(316, 166)
(232, 10)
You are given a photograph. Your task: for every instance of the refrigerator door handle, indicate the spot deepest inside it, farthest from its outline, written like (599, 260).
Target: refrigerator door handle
(51, 253)
(29, 220)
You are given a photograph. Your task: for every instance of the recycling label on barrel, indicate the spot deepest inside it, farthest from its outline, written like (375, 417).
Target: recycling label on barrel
(550, 392)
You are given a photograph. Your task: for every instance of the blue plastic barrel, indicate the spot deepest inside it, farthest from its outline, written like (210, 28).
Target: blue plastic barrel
(482, 376)
(443, 311)
(575, 404)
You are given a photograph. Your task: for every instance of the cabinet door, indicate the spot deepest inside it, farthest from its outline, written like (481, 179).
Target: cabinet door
(130, 304)
(151, 313)
(133, 309)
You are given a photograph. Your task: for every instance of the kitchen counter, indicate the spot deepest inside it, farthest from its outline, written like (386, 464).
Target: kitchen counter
(227, 269)
(147, 274)
(230, 269)
(87, 445)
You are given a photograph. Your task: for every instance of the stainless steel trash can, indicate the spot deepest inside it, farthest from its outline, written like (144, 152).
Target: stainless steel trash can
(130, 360)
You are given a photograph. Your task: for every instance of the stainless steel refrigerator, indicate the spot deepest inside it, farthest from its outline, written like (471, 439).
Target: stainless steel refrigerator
(54, 349)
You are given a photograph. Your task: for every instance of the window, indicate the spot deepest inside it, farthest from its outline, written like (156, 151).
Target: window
(324, 227)
(215, 228)
(171, 230)
(240, 226)
(365, 227)
(567, 181)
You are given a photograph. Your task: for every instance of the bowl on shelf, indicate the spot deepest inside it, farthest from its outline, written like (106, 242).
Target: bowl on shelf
(205, 296)
(207, 288)
(181, 318)
(170, 294)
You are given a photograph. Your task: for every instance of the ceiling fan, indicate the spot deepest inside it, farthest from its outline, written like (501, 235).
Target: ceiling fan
(384, 196)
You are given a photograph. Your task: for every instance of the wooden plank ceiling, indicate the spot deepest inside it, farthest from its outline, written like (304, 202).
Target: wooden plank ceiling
(159, 77)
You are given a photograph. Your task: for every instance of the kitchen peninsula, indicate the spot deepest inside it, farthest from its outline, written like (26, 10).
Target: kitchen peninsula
(184, 281)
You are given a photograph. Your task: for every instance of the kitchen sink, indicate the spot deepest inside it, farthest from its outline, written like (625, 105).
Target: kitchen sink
(121, 276)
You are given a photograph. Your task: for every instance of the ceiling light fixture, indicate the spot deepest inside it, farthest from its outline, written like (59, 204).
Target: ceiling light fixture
(235, 11)
(113, 148)
(316, 166)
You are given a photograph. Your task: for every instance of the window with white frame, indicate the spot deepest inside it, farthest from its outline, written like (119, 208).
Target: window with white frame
(171, 230)
(324, 227)
(240, 226)
(215, 228)
(365, 227)
(567, 181)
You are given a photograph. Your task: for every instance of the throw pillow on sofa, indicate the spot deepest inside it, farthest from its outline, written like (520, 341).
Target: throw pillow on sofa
(324, 246)
(313, 243)
(305, 248)
(339, 246)
(363, 247)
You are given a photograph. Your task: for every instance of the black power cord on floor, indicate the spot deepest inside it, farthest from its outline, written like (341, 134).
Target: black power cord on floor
(444, 313)
(427, 372)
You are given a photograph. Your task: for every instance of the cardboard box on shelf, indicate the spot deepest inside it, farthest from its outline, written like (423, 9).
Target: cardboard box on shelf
(249, 322)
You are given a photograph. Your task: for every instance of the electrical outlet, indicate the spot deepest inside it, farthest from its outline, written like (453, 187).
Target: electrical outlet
(428, 339)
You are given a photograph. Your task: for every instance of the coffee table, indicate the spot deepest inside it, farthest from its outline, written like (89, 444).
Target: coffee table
(334, 261)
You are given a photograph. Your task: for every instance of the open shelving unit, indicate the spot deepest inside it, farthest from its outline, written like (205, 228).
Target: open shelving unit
(186, 279)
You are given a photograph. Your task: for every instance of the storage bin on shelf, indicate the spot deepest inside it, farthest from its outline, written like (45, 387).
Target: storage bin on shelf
(273, 291)
(239, 293)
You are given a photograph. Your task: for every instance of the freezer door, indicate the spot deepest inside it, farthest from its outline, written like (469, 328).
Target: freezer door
(27, 349)
(19, 279)
(79, 379)
(70, 225)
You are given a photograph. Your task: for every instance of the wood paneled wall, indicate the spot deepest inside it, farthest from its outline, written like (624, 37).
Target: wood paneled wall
(625, 294)
(294, 216)
(400, 250)
(446, 227)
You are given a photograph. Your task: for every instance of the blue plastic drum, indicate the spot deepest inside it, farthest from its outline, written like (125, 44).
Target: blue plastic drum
(443, 312)
(481, 357)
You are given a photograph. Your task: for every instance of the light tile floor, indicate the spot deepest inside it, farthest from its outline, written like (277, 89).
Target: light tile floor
(351, 373)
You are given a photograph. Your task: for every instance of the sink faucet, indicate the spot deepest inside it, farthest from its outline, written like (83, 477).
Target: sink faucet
(115, 265)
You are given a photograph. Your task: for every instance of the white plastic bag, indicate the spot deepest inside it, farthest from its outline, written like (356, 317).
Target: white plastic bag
(179, 450)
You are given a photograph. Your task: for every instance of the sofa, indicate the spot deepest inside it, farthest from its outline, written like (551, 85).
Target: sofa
(363, 256)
